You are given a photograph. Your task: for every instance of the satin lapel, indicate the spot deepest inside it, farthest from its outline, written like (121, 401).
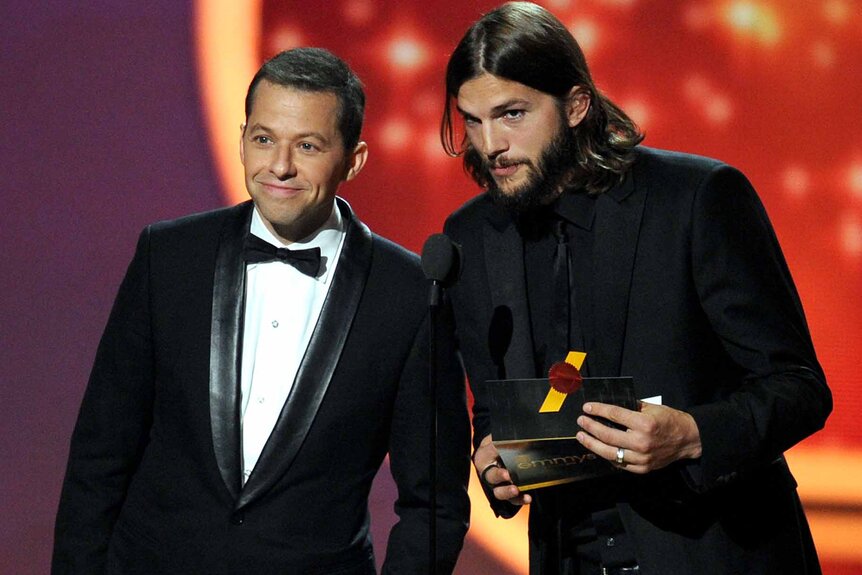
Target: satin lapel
(318, 364)
(225, 350)
(617, 227)
(511, 333)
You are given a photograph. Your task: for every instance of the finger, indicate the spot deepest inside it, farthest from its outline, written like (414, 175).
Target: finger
(496, 475)
(605, 450)
(522, 499)
(633, 462)
(595, 445)
(512, 494)
(602, 432)
(486, 452)
(625, 417)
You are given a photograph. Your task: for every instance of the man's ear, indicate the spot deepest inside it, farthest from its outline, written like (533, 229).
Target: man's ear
(356, 160)
(577, 105)
(242, 143)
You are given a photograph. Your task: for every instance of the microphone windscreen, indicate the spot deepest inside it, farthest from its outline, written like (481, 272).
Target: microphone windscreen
(441, 259)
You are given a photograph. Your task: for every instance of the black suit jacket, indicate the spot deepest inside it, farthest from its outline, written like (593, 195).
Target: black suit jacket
(692, 297)
(153, 483)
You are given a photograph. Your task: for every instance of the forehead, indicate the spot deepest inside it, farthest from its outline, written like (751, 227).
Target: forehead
(483, 94)
(281, 107)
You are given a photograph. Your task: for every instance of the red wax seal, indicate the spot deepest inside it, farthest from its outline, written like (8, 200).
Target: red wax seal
(565, 377)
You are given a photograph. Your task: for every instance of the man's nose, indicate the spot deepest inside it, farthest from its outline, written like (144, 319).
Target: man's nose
(282, 165)
(493, 141)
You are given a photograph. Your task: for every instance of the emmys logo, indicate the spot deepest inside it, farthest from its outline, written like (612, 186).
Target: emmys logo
(525, 462)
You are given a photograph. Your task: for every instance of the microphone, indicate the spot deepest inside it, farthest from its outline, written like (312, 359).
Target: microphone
(441, 263)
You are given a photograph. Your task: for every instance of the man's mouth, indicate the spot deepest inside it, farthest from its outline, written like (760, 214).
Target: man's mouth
(505, 169)
(281, 190)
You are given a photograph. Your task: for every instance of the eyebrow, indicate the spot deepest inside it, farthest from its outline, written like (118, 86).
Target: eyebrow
(499, 109)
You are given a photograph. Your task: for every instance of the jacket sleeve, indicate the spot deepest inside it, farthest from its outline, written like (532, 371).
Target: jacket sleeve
(746, 290)
(408, 546)
(112, 428)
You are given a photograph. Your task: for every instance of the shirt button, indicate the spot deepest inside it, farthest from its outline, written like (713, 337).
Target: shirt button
(237, 518)
(611, 542)
(261, 399)
(275, 323)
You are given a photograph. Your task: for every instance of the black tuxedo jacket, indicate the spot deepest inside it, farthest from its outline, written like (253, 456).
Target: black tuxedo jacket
(692, 297)
(153, 483)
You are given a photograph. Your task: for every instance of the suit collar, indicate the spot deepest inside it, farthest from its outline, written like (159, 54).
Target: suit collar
(578, 208)
(320, 360)
(510, 332)
(225, 346)
(617, 229)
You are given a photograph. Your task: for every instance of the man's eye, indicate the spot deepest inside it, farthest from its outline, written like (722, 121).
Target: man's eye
(307, 147)
(513, 114)
(262, 139)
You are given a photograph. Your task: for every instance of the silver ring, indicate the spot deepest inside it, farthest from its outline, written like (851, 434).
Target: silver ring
(483, 476)
(621, 454)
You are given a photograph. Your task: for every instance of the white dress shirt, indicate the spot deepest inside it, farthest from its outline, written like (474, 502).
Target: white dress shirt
(282, 306)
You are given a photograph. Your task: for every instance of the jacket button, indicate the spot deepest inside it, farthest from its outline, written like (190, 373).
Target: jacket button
(237, 518)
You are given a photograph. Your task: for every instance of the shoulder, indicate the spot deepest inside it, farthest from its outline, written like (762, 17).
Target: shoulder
(681, 175)
(200, 222)
(396, 252)
(192, 236)
(656, 164)
(395, 258)
(468, 219)
(476, 207)
(677, 167)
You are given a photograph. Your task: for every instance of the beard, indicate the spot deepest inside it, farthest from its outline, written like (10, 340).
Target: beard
(545, 178)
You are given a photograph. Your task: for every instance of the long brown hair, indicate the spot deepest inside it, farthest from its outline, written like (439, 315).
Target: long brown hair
(525, 43)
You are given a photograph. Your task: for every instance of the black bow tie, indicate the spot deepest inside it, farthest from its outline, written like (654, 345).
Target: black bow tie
(256, 250)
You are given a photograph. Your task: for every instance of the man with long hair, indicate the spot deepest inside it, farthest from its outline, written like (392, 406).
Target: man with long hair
(672, 275)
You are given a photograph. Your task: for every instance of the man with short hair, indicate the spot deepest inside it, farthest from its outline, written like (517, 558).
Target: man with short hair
(259, 363)
(660, 266)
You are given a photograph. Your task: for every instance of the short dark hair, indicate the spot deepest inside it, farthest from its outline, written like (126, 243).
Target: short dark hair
(316, 70)
(524, 43)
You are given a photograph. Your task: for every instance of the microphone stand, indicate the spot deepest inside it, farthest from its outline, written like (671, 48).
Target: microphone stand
(434, 308)
(440, 264)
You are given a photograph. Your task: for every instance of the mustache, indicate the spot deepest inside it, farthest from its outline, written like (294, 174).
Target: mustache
(504, 163)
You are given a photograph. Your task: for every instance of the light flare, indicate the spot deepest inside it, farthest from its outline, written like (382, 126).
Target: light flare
(395, 134)
(851, 235)
(359, 12)
(752, 20)
(823, 55)
(713, 105)
(836, 12)
(406, 53)
(796, 181)
(285, 38)
(639, 111)
(854, 180)
(587, 33)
